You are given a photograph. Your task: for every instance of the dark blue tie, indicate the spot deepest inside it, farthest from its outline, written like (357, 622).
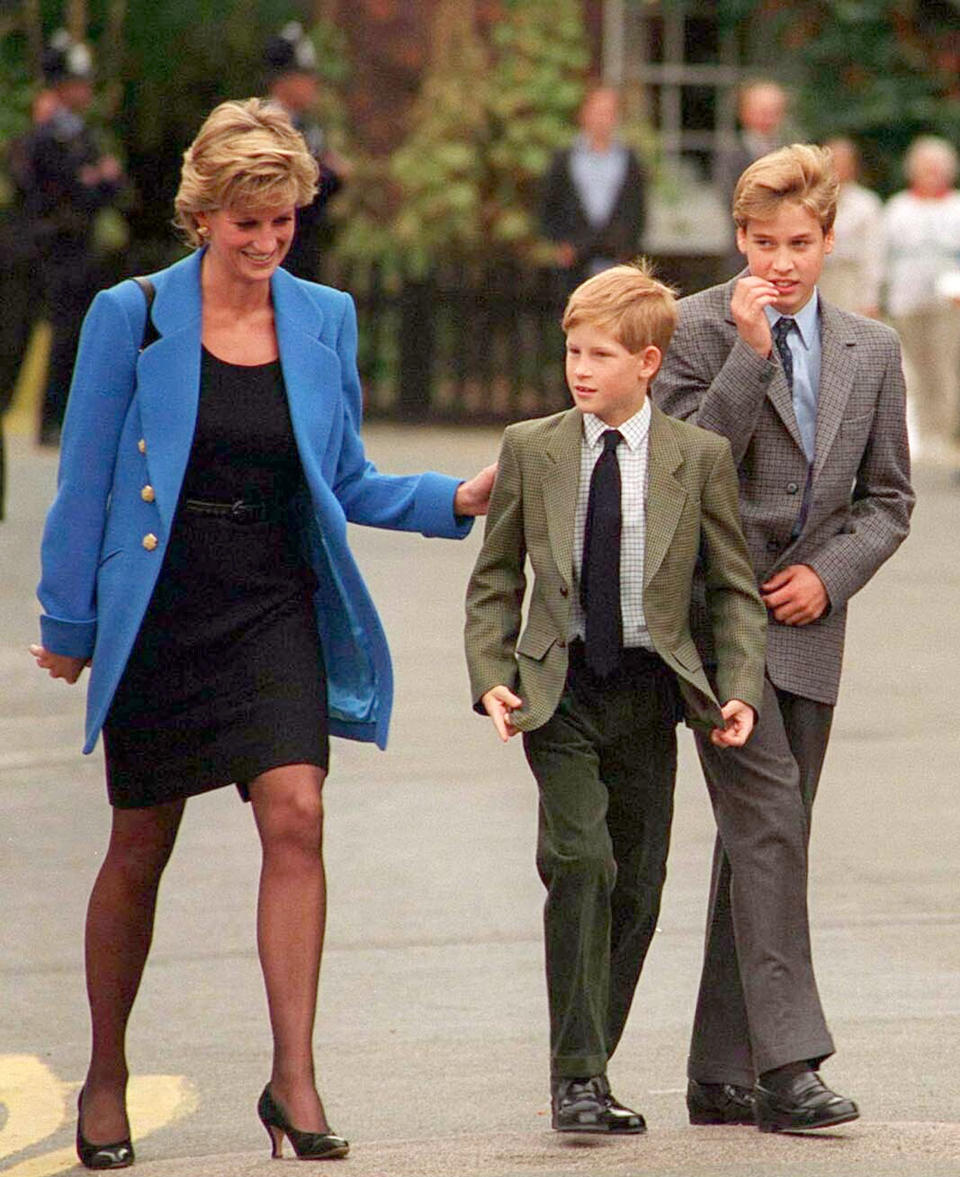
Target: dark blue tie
(600, 571)
(781, 329)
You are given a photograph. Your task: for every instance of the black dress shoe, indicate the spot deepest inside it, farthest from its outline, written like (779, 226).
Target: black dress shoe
(801, 1103)
(118, 1155)
(309, 1146)
(588, 1105)
(719, 1103)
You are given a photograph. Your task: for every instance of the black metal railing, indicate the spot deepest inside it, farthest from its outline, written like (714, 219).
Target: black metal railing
(458, 344)
(470, 344)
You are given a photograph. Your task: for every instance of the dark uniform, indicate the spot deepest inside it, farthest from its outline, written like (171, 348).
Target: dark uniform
(291, 52)
(313, 228)
(19, 294)
(60, 204)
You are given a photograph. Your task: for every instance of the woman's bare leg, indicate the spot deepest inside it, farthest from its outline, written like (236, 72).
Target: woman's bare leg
(288, 807)
(118, 935)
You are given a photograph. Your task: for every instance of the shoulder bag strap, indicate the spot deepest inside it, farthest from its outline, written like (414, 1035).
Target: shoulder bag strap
(150, 332)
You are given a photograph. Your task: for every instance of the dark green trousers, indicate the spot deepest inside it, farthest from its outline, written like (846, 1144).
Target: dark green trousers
(605, 764)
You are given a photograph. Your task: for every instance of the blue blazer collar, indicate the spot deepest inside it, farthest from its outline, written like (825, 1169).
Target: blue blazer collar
(179, 304)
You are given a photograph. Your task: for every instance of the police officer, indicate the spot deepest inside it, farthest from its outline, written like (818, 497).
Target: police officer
(70, 180)
(291, 66)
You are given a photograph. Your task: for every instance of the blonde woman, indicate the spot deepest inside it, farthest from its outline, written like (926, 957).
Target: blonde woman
(196, 559)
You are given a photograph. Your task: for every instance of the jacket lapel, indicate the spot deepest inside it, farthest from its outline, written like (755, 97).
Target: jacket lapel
(310, 368)
(168, 381)
(665, 498)
(837, 373)
(561, 482)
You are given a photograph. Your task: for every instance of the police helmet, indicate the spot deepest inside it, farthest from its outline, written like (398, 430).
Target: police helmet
(290, 52)
(65, 59)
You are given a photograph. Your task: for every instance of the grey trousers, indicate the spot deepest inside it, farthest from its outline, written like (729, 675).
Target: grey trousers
(758, 1006)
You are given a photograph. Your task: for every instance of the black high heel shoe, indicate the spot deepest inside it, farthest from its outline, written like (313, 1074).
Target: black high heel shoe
(101, 1156)
(309, 1146)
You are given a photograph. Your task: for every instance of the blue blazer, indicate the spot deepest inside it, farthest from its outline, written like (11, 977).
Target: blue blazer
(125, 445)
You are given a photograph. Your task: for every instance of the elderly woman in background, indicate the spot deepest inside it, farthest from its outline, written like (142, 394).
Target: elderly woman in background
(922, 227)
(196, 558)
(853, 272)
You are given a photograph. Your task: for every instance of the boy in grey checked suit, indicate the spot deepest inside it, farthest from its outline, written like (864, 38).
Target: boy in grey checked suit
(811, 399)
(598, 708)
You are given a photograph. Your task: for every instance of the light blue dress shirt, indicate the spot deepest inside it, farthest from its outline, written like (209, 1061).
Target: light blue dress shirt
(804, 344)
(598, 177)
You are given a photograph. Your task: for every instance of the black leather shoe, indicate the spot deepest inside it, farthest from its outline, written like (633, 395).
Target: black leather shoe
(309, 1146)
(118, 1155)
(802, 1103)
(719, 1103)
(588, 1105)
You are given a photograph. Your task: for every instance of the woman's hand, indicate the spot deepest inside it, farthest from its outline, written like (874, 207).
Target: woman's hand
(59, 665)
(473, 496)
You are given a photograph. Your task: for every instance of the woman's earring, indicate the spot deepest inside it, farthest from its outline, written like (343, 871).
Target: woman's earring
(203, 230)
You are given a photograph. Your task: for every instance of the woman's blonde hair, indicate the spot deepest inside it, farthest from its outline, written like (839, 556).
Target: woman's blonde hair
(246, 155)
(802, 173)
(628, 303)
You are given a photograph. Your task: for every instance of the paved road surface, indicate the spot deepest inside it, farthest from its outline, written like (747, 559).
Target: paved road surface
(432, 1029)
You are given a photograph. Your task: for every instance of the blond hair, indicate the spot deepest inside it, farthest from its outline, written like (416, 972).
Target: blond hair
(629, 303)
(246, 155)
(802, 173)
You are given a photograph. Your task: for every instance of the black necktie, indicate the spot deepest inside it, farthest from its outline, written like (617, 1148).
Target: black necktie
(781, 329)
(600, 572)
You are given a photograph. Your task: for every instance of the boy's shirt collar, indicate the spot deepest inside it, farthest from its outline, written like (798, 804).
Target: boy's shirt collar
(807, 319)
(634, 429)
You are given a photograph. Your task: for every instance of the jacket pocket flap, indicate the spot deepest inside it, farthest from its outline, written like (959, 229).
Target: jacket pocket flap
(688, 656)
(535, 644)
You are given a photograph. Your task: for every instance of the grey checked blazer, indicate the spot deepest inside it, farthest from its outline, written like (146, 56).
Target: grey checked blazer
(691, 506)
(861, 496)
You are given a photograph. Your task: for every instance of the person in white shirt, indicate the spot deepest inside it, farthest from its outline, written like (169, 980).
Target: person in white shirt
(852, 274)
(922, 229)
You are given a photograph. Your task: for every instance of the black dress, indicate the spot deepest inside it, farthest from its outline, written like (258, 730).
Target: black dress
(226, 677)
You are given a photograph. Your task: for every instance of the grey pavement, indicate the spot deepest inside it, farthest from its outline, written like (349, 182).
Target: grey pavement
(431, 1037)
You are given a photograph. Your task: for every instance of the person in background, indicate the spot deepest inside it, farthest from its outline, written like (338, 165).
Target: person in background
(594, 194)
(290, 60)
(853, 273)
(70, 180)
(196, 557)
(21, 294)
(922, 229)
(761, 112)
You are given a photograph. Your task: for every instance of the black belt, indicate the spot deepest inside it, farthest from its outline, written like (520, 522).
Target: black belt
(238, 512)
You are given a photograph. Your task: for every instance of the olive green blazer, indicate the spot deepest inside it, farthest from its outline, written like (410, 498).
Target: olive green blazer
(692, 513)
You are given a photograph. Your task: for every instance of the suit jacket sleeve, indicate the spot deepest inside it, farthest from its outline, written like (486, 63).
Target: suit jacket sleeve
(557, 193)
(737, 614)
(497, 585)
(627, 225)
(882, 498)
(727, 401)
(416, 502)
(103, 382)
